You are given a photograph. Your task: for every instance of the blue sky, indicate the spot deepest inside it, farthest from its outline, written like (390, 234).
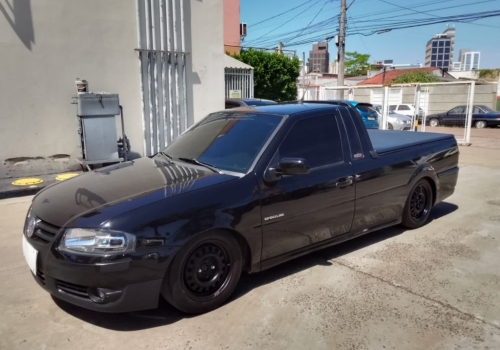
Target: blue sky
(401, 45)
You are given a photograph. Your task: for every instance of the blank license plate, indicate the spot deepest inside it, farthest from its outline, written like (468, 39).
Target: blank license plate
(30, 255)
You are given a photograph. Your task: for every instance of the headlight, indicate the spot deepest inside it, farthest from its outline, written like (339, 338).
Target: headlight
(99, 242)
(29, 225)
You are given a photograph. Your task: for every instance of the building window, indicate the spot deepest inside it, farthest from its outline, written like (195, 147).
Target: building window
(434, 44)
(433, 64)
(440, 57)
(448, 43)
(434, 50)
(439, 63)
(446, 57)
(447, 50)
(433, 57)
(441, 44)
(441, 50)
(446, 64)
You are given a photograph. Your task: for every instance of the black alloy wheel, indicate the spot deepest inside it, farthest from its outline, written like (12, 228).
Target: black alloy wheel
(203, 273)
(206, 271)
(418, 205)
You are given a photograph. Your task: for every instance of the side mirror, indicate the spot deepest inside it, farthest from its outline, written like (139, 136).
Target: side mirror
(293, 166)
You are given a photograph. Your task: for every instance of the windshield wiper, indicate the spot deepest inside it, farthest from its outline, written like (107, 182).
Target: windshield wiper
(197, 162)
(170, 159)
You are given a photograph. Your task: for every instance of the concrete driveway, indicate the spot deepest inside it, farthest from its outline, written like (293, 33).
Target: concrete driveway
(433, 288)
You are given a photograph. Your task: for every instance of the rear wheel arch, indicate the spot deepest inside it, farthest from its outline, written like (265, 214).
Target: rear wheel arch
(432, 182)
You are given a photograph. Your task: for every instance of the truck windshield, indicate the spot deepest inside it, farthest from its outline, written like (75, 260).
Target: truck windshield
(226, 140)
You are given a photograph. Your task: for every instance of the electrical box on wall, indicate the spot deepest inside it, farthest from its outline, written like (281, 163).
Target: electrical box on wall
(94, 104)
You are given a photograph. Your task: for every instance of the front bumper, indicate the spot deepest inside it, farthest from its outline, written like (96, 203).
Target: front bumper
(134, 297)
(124, 284)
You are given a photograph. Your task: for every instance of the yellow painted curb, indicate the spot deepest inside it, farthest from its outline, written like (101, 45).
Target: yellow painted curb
(63, 177)
(27, 182)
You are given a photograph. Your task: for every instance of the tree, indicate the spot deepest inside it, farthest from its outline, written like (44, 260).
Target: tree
(275, 75)
(357, 63)
(415, 77)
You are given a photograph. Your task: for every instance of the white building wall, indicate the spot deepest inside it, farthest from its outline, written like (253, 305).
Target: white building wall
(46, 44)
(206, 74)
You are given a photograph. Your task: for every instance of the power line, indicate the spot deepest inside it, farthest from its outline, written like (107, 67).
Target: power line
(361, 38)
(431, 14)
(284, 23)
(328, 24)
(307, 26)
(280, 14)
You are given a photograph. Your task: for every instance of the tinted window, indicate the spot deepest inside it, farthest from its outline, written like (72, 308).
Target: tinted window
(476, 110)
(228, 141)
(487, 109)
(457, 110)
(231, 105)
(362, 108)
(352, 134)
(404, 108)
(316, 139)
(434, 57)
(440, 50)
(441, 43)
(434, 44)
(392, 107)
(434, 50)
(447, 50)
(448, 43)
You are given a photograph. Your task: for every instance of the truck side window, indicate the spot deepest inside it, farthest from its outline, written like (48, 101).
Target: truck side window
(352, 134)
(316, 139)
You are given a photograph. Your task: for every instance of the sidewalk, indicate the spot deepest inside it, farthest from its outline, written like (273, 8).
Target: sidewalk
(31, 185)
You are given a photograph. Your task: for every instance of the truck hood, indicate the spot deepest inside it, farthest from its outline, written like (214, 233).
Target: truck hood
(93, 198)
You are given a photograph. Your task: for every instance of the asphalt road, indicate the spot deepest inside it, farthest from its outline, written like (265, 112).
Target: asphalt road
(432, 288)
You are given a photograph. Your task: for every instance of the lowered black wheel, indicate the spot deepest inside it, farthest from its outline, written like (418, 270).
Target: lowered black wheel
(418, 205)
(204, 273)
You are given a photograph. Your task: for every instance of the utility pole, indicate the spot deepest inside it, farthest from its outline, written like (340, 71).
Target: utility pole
(341, 44)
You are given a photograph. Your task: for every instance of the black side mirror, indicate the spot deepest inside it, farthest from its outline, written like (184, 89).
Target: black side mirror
(293, 166)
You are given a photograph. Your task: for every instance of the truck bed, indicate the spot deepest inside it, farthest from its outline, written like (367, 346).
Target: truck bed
(385, 141)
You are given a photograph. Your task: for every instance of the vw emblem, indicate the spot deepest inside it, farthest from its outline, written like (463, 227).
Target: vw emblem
(30, 229)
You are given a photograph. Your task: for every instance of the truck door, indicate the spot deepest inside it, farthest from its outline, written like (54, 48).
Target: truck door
(301, 210)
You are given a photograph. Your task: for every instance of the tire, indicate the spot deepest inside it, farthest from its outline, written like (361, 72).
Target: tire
(390, 127)
(204, 273)
(418, 205)
(480, 124)
(434, 122)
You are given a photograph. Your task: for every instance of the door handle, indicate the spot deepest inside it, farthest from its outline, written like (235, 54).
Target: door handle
(344, 183)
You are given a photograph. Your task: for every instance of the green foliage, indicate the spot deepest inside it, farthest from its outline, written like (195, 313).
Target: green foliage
(357, 63)
(275, 75)
(483, 73)
(489, 74)
(415, 77)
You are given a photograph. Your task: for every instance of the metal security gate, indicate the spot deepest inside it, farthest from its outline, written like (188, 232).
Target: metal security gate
(162, 55)
(239, 79)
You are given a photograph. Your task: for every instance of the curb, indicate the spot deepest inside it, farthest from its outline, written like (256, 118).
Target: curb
(20, 193)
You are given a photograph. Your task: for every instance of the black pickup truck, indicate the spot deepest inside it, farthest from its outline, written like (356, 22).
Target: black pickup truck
(242, 190)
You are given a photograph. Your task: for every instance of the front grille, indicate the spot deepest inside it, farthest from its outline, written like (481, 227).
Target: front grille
(73, 289)
(44, 232)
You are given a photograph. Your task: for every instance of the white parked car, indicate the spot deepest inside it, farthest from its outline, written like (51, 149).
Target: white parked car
(406, 109)
(395, 121)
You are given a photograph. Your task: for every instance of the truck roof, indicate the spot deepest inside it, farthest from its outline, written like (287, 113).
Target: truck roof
(293, 108)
